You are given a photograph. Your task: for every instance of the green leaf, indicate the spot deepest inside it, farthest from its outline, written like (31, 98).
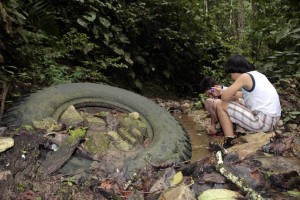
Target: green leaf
(295, 30)
(127, 58)
(123, 38)
(91, 16)
(81, 22)
(167, 73)
(218, 194)
(177, 178)
(286, 119)
(295, 113)
(1, 58)
(282, 34)
(294, 193)
(138, 84)
(106, 23)
(118, 51)
(291, 62)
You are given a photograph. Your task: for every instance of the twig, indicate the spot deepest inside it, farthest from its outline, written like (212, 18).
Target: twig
(6, 86)
(130, 181)
(236, 180)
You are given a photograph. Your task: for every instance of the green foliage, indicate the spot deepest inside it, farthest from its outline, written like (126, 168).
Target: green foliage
(40, 16)
(51, 59)
(173, 43)
(285, 62)
(290, 116)
(175, 52)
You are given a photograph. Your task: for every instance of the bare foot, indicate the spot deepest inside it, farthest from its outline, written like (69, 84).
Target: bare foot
(212, 130)
(240, 129)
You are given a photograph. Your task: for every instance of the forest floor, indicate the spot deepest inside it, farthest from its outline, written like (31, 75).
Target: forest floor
(268, 170)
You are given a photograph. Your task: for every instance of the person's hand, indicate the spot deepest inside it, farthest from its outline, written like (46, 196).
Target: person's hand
(216, 91)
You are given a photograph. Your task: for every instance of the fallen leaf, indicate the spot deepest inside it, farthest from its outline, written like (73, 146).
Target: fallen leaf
(177, 178)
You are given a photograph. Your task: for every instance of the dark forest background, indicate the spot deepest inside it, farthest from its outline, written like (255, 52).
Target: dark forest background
(159, 45)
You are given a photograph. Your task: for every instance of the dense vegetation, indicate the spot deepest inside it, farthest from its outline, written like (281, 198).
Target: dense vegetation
(171, 43)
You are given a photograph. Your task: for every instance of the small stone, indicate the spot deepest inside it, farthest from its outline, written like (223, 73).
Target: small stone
(5, 176)
(6, 143)
(2, 130)
(280, 123)
(134, 115)
(47, 123)
(290, 127)
(186, 105)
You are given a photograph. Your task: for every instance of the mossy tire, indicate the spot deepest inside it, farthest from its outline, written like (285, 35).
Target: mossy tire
(169, 141)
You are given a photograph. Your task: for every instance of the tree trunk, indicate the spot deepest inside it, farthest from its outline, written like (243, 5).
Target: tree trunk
(240, 20)
(5, 88)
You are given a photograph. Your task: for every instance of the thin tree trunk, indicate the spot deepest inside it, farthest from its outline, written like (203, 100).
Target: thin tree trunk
(240, 20)
(230, 16)
(206, 7)
(6, 86)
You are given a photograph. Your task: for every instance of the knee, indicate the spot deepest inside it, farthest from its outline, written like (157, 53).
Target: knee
(222, 105)
(208, 103)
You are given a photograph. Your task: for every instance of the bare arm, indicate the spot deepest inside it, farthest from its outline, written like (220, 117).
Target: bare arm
(233, 92)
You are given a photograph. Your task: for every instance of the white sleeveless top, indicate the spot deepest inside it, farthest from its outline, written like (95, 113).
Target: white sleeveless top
(262, 97)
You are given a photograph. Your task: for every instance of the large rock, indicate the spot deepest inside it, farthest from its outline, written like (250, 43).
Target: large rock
(71, 117)
(251, 143)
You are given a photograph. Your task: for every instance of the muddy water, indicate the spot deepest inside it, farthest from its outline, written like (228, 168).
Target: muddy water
(199, 138)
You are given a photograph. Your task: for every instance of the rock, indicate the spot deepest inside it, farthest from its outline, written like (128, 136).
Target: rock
(178, 193)
(6, 178)
(2, 130)
(134, 115)
(280, 164)
(296, 148)
(96, 142)
(47, 123)
(127, 136)
(6, 143)
(254, 142)
(137, 195)
(118, 142)
(280, 123)
(71, 117)
(95, 124)
(186, 105)
(290, 127)
(5, 175)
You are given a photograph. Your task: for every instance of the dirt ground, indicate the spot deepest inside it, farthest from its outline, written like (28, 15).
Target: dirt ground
(21, 176)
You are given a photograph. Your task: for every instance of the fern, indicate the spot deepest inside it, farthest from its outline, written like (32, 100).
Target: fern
(41, 16)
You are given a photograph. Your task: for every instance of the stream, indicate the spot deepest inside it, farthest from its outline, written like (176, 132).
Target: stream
(199, 138)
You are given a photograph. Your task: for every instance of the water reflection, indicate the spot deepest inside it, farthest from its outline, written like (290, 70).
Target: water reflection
(199, 138)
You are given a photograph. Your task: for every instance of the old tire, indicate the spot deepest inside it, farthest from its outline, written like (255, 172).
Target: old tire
(170, 142)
